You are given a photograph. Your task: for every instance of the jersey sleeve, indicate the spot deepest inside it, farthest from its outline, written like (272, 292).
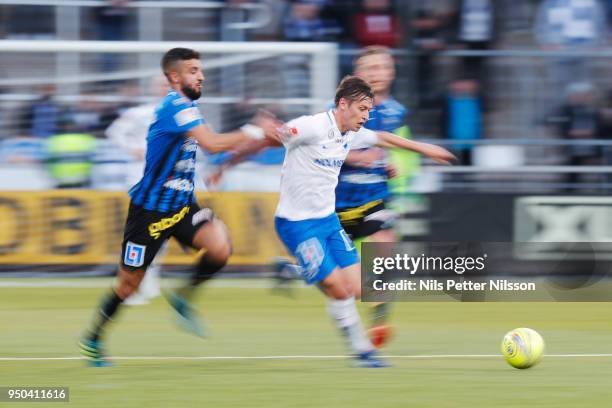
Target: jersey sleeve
(364, 138)
(299, 131)
(180, 116)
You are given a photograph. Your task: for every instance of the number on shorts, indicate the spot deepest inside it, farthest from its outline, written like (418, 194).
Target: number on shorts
(311, 255)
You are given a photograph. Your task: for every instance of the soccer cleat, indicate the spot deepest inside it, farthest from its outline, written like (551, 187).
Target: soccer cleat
(187, 316)
(370, 360)
(380, 334)
(94, 353)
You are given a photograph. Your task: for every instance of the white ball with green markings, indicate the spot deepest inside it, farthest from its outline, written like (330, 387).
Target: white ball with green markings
(522, 348)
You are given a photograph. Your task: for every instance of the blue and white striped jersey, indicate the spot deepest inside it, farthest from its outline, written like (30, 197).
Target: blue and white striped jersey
(167, 183)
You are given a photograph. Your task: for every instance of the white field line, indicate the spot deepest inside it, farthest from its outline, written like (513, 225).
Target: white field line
(299, 357)
(83, 283)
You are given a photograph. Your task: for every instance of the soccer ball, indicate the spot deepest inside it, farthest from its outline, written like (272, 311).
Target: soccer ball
(522, 348)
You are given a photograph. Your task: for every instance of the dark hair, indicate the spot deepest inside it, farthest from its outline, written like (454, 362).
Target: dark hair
(353, 88)
(371, 50)
(177, 54)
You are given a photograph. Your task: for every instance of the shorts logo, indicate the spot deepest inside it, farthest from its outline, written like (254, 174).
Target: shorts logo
(204, 215)
(310, 254)
(156, 228)
(134, 254)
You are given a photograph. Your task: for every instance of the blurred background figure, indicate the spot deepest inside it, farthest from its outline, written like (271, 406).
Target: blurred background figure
(578, 119)
(462, 117)
(566, 26)
(377, 24)
(129, 130)
(427, 38)
(304, 21)
(70, 159)
(474, 25)
(43, 116)
(112, 23)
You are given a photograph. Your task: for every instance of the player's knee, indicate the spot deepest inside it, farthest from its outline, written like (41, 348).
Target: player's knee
(128, 281)
(385, 235)
(221, 253)
(334, 287)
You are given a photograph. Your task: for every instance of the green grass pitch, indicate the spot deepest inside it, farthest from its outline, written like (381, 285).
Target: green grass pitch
(37, 322)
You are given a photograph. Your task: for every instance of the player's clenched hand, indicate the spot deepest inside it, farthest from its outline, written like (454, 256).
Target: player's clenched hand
(268, 122)
(391, 170)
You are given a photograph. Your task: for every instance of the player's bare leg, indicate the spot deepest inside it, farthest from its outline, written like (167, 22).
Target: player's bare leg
(212, 237)
(150, 285)
(126, 284)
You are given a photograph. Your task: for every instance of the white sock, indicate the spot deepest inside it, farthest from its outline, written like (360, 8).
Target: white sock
(344, 313)
(149, 286)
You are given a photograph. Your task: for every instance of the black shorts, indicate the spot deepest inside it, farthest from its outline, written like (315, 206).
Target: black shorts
(367, 219)
(146, 231)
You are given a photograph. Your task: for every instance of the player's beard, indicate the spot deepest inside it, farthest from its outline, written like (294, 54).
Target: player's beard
(191, 93)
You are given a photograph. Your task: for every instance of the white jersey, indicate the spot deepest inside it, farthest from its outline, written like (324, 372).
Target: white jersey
(316, 150)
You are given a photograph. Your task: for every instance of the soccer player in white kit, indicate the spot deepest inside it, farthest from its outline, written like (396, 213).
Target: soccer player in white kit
(306, 221)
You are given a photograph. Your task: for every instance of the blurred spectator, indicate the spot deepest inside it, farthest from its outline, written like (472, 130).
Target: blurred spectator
(377, 24)
(605, 117)
(578, 119)
(427, 41)
(129, 131)
(305, 22)
(563, 25)
(605, 131)
(88, 115)
(474, 24)
(111, 25)
(43, 117)
(462, 117)
(70, 159)
(22, 150)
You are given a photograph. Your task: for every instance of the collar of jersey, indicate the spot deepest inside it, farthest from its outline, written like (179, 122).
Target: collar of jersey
(332, 119)
(172, 92)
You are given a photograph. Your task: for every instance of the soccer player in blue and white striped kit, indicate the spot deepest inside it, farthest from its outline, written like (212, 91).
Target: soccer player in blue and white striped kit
(163, 204)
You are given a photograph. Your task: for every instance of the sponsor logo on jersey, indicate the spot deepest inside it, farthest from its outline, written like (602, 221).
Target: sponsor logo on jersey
(190, 145)
(134, 254)
(334, 163)
(187, 116)
(179, 184)
(156, 228)
(185, 165)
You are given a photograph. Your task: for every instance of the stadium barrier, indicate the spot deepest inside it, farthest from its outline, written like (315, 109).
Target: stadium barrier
(82, 227)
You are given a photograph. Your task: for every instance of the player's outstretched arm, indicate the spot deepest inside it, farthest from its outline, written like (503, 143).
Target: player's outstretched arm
(436, 153)
(262, 127)
(364, 158)
(239, 155)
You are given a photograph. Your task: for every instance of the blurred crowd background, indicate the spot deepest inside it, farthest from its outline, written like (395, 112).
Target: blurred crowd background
(521, 90)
